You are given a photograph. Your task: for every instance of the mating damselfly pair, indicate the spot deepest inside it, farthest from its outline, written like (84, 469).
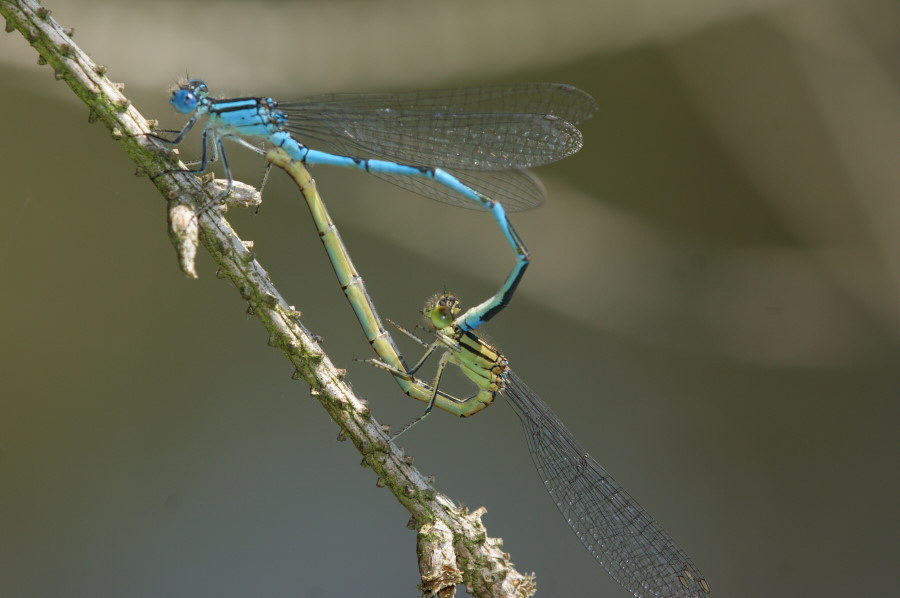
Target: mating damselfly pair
(468, 147)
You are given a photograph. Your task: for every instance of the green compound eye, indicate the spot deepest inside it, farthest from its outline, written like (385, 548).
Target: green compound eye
(441, 317)
(441, 310)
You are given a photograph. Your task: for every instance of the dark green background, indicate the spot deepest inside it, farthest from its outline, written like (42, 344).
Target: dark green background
(712, 306)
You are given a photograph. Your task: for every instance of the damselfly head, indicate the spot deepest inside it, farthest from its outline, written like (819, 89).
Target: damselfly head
(440, 310)
(190, 93)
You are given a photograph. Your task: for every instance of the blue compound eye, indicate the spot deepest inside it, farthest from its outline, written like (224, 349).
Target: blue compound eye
(184, 101)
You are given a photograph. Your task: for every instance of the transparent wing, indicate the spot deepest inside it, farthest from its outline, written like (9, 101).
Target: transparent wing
(515, 189)
(620, 534)
(484, 128)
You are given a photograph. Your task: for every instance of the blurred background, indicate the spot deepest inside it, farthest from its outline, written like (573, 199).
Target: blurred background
(712, 306)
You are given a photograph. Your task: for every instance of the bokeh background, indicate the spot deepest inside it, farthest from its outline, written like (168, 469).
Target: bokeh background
(712, 306)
